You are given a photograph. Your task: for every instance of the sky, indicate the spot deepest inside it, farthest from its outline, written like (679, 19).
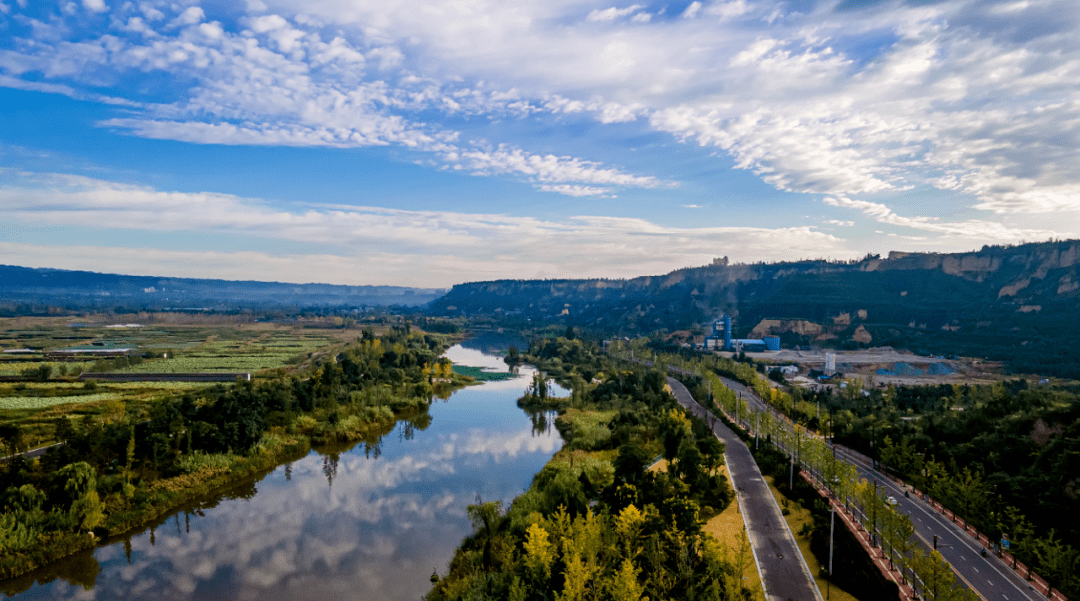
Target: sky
(432, 142)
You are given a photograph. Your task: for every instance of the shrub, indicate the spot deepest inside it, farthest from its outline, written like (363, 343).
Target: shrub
(306, 423)
(199, 460)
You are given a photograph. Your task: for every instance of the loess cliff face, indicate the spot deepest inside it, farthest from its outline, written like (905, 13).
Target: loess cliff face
(984, 303)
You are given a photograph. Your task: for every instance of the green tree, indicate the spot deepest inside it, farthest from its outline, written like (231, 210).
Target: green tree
(485, 518)
(939, 581)
(1058, 562)
(1019, 531)
(80, 485)
(901, 539)
(11, 434)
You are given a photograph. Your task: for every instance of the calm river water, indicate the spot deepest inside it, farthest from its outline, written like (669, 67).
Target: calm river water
(372, 526)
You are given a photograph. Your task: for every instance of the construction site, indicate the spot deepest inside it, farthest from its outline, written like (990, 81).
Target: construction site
(878, 366)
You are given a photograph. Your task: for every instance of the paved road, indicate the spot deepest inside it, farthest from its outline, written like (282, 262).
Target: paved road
(783, 570)
(989, 577)
(38, 452)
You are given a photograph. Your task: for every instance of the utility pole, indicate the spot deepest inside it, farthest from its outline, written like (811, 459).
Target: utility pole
(757, 431)
(832, 526)
(873, 519)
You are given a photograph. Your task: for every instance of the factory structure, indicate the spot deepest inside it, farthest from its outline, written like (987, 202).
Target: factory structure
(721, 339)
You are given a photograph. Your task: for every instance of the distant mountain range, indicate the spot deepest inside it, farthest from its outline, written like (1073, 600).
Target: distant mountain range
(1013, 303)
(85, 289)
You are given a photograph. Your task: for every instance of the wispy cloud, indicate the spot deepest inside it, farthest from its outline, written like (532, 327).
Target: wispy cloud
(974, 100)
(610, 14)
(377, 245)
(973, 229)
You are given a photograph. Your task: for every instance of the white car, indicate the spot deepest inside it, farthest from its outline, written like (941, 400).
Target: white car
(891, 501)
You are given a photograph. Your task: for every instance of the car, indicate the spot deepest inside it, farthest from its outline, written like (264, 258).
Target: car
(891, 501)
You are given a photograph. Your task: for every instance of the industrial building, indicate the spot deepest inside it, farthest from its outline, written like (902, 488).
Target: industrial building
(721, 339)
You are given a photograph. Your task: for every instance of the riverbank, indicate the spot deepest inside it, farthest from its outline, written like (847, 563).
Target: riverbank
(109, 479)
(165, 496)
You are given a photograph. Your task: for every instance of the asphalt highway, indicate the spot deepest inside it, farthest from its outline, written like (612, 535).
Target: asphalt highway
(784, 573)
(989, 577)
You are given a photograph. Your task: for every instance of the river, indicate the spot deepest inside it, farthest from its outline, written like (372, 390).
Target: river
(371, 522)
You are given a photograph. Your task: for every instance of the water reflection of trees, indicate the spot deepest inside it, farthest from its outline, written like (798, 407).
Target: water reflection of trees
(82, 569)
(492, 343)
(542, 421)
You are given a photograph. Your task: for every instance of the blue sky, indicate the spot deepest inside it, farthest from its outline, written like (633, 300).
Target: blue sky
(432, 142)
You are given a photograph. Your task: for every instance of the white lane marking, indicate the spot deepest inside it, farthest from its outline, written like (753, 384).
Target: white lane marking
(942, 521)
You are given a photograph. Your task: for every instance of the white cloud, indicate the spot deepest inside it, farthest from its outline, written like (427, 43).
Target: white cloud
(95, 6)
(151, 13)
(839, 223)
(574, 190)
(974, 229)
(976, 97)
(368, 244)
(728, 10)
(280, 85)
(610, 14)
(548, 168)
(190, 16)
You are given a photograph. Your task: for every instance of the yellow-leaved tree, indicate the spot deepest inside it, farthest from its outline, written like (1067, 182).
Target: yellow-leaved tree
(628, 525)
(539, 553)
(624, 585)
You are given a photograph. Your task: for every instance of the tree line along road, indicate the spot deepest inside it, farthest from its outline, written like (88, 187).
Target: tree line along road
(988, 577)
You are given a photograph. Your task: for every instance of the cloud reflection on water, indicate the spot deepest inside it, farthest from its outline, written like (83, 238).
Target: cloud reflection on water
(376, 531)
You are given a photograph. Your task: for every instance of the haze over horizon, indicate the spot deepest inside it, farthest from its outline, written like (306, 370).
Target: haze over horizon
(429, 143)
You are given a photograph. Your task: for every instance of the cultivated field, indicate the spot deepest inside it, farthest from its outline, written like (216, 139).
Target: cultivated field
(170, 344)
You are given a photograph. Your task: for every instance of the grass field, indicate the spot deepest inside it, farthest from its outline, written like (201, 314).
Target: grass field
(478, 373)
